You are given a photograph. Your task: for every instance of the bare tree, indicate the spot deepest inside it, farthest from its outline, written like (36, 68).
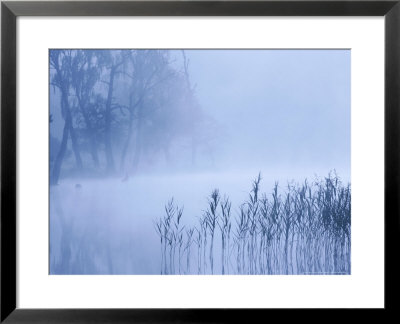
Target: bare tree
(60, 62)
(85, 74)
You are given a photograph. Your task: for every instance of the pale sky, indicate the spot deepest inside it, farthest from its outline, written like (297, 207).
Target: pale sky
(287, 108)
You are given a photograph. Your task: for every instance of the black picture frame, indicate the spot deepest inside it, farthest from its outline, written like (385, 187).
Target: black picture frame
(10, 10)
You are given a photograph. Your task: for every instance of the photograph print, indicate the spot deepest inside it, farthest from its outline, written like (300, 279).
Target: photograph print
(199, 162)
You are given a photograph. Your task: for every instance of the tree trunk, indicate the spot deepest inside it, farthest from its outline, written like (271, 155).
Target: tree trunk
(61, 153)
(138, 145)
(194, 150)
(75, 146)
(68, 116)
(68, 129)
(91, 131)
(109, 153)
(93, 149)
(127, 142)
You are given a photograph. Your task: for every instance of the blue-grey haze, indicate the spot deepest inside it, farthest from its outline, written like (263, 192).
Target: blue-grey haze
(285, 108)
(284, 113)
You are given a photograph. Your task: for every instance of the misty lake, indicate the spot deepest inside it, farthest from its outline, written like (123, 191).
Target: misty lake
(108, 226)
(112, 222)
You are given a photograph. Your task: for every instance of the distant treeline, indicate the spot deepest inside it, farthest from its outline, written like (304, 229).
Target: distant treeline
(118, 106)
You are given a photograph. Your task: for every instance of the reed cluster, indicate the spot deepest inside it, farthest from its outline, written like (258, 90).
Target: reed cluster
(304, 229)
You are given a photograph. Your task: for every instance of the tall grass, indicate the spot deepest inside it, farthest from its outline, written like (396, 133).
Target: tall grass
(304, 229)
(170, 231)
